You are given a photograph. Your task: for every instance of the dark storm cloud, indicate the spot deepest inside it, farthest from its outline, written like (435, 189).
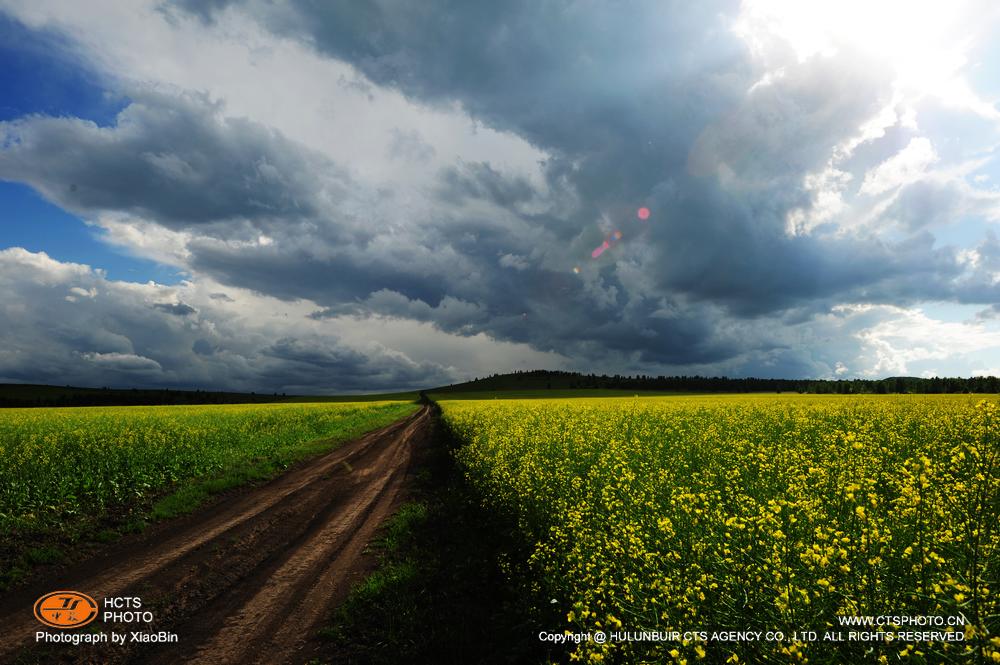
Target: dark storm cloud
(203, 347)
(316, 355)
(542, 68)
(451, 314)
(482, 181)
(733, 249)
(177, 309)
(777, 132)
(173, 159)
(639, 104)
(979, 285)
(310, 362)
(113, 338)
(648, 103)
(634, 104)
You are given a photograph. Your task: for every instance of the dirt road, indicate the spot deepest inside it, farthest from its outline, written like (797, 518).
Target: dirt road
(247, 580)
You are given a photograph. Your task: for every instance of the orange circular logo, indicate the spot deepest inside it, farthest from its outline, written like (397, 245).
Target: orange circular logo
(65, 609)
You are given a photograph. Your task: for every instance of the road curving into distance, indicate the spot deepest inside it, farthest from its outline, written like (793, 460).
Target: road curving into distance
(248, 579)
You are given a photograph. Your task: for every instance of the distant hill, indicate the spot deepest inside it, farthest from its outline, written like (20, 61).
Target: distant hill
(29, 395)
(536, 380)
(35, 395)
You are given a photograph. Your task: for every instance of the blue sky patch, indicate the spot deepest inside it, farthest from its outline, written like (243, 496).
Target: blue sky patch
(27, 220)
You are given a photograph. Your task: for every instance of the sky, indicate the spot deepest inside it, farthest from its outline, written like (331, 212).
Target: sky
(348, 197)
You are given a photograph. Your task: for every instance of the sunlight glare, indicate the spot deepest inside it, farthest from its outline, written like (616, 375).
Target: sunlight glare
(924, 43)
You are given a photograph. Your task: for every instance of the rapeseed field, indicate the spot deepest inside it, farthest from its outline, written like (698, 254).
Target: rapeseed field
(59, 464)
(686, 517)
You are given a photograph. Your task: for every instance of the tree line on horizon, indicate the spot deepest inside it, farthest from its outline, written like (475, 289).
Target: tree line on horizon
(559, 380)
(26, 395)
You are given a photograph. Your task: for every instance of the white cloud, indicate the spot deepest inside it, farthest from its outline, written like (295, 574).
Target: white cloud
(189, 335)
(827, 192)
(127, 362)
(925, 44)
(907, 166)
(322, 103)
(908, 336)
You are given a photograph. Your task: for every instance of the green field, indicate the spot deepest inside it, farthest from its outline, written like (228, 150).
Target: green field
(765, 512)
(63, 469)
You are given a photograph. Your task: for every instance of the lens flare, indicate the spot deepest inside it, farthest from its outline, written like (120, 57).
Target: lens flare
(600, 249)
(643, 214)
